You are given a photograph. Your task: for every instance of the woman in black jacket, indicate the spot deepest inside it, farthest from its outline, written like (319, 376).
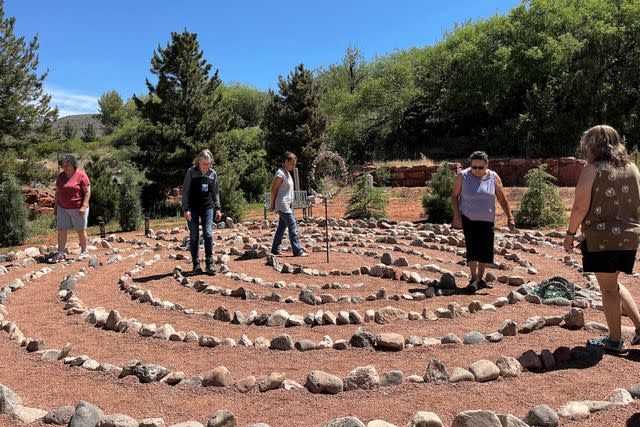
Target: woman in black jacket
(200, 204)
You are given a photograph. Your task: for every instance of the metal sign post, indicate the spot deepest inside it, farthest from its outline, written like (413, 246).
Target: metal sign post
(326, 226)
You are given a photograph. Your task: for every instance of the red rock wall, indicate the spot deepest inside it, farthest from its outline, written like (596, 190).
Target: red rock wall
(38, 201)
(512, 171)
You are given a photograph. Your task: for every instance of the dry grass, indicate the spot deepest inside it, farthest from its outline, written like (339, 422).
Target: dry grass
(419, 162)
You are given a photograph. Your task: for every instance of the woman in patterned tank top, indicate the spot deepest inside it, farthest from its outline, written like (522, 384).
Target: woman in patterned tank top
(607, 208)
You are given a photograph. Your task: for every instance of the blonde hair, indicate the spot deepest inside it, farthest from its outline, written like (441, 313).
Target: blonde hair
(602, 143)
(204, 154)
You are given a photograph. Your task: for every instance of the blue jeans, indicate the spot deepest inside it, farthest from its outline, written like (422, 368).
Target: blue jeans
(206, 219)
(287, 220)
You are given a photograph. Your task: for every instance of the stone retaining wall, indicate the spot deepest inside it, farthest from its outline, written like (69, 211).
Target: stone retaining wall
(512, 171)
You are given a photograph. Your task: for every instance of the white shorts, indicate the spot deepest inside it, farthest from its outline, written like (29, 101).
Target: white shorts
(71, 218)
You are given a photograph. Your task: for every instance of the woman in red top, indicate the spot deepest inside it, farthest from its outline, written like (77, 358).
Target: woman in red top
(71, 205)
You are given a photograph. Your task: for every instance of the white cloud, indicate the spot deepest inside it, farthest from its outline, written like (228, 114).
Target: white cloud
(69, 102)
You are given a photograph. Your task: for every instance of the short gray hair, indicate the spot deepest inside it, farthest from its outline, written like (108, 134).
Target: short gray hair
(204, 154)
(479, 155)
(68, 158)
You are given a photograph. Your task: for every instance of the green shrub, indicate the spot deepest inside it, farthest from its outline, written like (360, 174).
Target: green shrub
(130, 207)
(52, 148)
(105, 193)
(13, 211)
(231, 197)
(367, 201)
(437, 199)
(384, 175)
(541, 205)
(256, 179)
(9, 162)
(89, 133)
(33, 169)
(634, 156)
(41, 225)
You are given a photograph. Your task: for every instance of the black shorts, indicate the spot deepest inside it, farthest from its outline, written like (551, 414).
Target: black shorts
(478, 237)
(607, 261)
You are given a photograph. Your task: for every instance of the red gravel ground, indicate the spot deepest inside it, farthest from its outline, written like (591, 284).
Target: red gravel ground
(40, 314)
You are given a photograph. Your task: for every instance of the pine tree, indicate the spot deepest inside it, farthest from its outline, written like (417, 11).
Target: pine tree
(24, 107)
(541, 204)
(231, 197)
(69, 131)
(130, 208)
(105, 193)
(367, 201)
(89, 133)
(110, 110)
(437, 200)
(181, 114)
(13, 211)
(294, 121)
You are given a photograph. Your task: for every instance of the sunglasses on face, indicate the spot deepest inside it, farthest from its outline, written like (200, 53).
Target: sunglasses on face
(479, 168)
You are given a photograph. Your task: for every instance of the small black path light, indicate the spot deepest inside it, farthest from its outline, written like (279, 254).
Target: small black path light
(103, 232)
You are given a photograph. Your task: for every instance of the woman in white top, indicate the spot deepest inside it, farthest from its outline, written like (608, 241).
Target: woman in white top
(281, 201)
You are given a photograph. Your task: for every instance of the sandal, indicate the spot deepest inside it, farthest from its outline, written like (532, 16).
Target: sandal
(610, 346)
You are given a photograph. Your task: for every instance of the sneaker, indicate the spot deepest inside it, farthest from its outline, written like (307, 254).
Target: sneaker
(83, 255)
(302, 254)
(276, 253)
(484, 285)
(609, 346)
(196, 270)
(209, 267)
(472, 287)
(58, 257)
(636, 338)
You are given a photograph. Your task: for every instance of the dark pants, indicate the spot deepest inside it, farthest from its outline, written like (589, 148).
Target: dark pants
(478, 236)
(607, 261)
(205, 218)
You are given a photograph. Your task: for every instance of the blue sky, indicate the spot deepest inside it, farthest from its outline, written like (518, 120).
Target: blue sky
(92, 46)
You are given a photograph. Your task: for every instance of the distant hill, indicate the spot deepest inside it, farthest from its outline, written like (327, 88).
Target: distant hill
(80, 121)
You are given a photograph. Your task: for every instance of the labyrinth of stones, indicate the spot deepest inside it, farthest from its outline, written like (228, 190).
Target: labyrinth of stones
(383, 334)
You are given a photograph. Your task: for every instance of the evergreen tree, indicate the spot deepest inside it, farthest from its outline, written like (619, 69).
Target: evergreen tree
(231, 197)
(89, 133)
(24, 107)
(13, 227)
(110, 110)
(367, 201)
(437, 200)
(294, 121)
(130, 208)
(181, 115)
(541, 205)
(105, 193)
(69, 131)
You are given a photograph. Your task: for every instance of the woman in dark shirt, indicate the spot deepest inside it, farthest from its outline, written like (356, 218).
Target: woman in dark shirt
(607, 208)
(200, 203)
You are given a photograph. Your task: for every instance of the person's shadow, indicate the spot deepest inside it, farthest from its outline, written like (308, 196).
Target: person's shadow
(584, 357)
(151, 278)
(634, 420)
